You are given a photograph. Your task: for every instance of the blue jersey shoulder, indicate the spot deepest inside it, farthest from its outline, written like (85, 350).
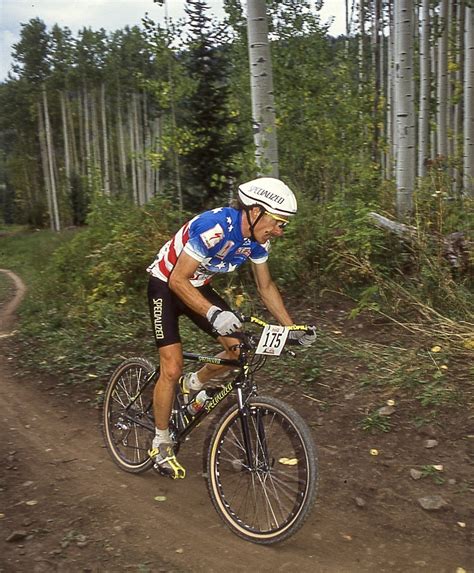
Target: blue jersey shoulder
(219, 233)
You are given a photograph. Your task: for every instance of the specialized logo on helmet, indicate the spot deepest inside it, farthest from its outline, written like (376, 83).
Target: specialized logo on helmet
(268, 194)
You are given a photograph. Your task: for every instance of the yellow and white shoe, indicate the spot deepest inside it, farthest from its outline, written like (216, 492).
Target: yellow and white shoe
(166, 462)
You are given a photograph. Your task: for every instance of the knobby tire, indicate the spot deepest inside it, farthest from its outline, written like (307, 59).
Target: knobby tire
(267, 499)
(128, 442)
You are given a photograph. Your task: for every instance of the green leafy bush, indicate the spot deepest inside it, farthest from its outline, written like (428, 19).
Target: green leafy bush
(102, 268)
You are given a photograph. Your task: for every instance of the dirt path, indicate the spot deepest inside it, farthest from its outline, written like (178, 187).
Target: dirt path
(72, 510)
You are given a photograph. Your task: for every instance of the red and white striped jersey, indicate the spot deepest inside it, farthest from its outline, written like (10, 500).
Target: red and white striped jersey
(213, 238)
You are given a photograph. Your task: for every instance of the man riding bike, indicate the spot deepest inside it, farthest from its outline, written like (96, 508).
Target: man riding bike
(216, 241)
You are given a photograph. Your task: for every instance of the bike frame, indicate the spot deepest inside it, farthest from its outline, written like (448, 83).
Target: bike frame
(187, 423)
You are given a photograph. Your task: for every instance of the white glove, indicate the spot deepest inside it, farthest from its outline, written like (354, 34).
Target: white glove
(224, 321)
(304, 338)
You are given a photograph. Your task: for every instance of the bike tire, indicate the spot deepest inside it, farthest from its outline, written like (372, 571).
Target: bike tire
(270, 503)
(127, 442)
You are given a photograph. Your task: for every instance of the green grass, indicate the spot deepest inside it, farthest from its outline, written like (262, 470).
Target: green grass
(28, 252)
(6, 289)
(62, 338)
(376, 422)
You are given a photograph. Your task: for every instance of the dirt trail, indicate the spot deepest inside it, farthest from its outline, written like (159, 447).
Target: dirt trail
(73, 510)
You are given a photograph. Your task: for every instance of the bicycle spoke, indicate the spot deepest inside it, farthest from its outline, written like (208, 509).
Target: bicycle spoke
(268, 497)
(125, 401)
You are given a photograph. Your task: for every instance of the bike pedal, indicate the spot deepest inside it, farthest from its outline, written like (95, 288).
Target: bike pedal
(166, 473)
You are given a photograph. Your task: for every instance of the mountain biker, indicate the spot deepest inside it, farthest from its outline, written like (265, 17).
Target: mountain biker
(213, 242)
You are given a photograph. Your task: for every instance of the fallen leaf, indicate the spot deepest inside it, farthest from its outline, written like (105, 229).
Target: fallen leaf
(460, 570)
(288, 461)
(438, 467)
(374, 452)
(436, 349)
(390, 402)
(180, 550)
(469, 344)
(461, 524)
(348, 537)
(31, 502)
(337, 332)
(160, 498)
(443, 367)
(239, 299)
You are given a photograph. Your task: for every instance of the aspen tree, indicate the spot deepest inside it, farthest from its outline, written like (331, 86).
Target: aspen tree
(261, 85)
(405, 108)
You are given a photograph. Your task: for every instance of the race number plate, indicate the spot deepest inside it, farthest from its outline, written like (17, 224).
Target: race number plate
(272, 340)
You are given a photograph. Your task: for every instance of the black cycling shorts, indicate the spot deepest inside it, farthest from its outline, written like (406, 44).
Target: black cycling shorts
(166, 308)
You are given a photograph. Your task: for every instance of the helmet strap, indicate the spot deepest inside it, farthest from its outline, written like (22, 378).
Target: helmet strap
(253, 225)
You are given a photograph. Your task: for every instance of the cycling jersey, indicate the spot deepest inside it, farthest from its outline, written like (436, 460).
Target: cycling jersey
(214, 238)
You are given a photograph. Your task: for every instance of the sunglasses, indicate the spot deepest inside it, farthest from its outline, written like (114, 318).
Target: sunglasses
(282, 223)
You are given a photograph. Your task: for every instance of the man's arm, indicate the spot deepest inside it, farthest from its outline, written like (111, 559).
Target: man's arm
(270, 294)
(179, 283)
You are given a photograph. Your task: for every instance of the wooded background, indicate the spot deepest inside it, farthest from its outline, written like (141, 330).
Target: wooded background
(179, 111)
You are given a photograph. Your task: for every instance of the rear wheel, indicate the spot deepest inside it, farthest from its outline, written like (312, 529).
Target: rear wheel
(266, 498)
(127, 417)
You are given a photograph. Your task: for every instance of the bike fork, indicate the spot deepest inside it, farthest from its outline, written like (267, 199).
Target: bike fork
(259, 459)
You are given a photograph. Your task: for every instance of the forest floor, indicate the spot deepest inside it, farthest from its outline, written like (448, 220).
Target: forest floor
(65, 507)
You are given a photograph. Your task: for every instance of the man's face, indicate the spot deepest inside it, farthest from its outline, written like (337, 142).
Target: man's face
(268, 226)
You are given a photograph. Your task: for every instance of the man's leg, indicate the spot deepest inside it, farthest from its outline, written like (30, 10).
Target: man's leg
(209, 371)
(171, 366)
(194, 381)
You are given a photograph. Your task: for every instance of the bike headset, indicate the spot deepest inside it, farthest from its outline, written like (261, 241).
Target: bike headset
(269, 195)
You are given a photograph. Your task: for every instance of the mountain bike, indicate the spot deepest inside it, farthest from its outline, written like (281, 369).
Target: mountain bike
(260, 464)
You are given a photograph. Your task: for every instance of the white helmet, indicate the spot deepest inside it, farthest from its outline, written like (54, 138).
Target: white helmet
(272, 194)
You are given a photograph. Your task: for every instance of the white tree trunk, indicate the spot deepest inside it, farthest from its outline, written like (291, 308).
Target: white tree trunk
(122, 157)
(105, 140)
(50, 150)
(390, 160)
(156, 144)
(44, 162)
(261, 85)
(87, 138)
(442, 83)
(75, 168)
(133, 161)
(97, 171)
(148, 130)
(361, 43)
(137, 122)
(376, 61)
(468, 148)
(434, 24)
(458, 118)
(405, 108)
(67, 153)
(425, 89)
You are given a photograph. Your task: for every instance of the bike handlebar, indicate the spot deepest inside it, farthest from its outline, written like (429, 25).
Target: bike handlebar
(262, 323)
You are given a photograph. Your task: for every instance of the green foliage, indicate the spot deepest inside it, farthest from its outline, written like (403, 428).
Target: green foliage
(329, 244)
(209, 163)
(6, 289)
(103, 266)
(376, 422)
(433, 473)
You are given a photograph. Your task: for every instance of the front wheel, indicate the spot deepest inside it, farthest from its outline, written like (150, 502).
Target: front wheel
(127, 417)
(264, 495)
